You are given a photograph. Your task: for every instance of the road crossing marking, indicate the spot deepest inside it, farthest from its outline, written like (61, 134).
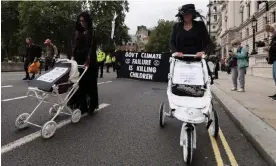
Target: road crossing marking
(216, 150)
(227, 149)
(22, 97)
(35, 135)
(7, 86)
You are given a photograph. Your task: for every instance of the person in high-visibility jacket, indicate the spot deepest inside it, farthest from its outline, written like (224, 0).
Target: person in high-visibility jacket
(100, 60)
(113, 59)
(108, 62)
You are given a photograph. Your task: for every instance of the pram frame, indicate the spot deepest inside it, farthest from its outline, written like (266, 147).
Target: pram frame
(56, 108)
(188, 129)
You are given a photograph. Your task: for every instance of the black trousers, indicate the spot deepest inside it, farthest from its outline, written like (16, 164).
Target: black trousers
(26, 65)
(108, 65)
(114, 66)
(100, 67)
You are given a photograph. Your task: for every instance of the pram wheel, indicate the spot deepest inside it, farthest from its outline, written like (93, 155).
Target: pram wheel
(162, 115)
(48, 129)
(76, 115)
(188, 147)
(214, 127)
(20, 121)
(53, 110)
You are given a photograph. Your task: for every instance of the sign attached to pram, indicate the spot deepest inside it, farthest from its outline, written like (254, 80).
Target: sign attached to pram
(188, 73)
(145, 66)
(53, 74)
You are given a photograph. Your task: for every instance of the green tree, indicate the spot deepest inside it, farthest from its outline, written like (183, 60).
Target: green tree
(160, 36)
(10, 27)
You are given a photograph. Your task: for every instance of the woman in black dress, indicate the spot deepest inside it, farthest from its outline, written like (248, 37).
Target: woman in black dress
(84, 52)
(190, 37)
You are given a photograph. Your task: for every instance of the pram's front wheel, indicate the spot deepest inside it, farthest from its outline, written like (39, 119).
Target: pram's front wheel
(48, 129)
(188, 147)
(20, 121)
(76, 115)
(162, 115)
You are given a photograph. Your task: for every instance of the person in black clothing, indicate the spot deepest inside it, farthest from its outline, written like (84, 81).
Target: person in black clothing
(272, 56)
(190, 36)
(32, 53)
(84, 52)
(117, 54)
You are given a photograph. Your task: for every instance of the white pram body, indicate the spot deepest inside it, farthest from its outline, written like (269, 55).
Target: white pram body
(189, 109)
(62, 78)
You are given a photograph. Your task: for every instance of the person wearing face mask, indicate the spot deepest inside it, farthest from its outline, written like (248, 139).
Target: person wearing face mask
(239, 63)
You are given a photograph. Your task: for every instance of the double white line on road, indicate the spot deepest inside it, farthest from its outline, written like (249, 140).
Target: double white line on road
(7, 86)
(22, 97)
(35, 135)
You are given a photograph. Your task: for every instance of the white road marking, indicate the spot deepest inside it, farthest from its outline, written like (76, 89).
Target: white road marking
(16, 98)
(35, 135)
(7, 86)
(22, 97)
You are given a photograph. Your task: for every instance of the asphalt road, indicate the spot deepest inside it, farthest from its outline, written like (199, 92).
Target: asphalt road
(125, 132)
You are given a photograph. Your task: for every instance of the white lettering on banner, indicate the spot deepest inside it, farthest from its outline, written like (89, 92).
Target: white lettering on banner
(141, 75)
(130, 67)
(131, 54)
(146, 69)
(141, 62)
(151, 56)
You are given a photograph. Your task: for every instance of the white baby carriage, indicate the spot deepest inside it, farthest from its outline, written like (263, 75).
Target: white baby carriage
(191, 108)
(63, 77)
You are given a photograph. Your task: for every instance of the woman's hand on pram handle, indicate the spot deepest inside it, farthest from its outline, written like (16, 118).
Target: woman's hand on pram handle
(177, 54)
(200, 55)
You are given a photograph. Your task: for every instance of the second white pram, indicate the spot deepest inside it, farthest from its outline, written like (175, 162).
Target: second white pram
(63, 77)
(191, 108)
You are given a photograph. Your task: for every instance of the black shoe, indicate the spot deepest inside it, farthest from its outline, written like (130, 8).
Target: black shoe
(31, 78)
(272, 96)
(26, 78)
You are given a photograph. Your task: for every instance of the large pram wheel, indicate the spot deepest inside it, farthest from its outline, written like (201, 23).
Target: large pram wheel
(20, 121)
(214, 127)
(53, 110)
(162, 115)
(48, 129)
(188, 147)
(76, 115)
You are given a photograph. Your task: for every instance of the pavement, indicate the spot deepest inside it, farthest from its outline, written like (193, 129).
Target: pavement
(253, 111)
(125, 132)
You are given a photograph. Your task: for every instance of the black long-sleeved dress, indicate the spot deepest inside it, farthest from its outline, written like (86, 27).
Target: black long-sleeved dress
(85, 48)
(192, 41)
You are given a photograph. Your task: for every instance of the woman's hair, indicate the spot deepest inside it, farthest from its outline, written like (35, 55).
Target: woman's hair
(88, 20)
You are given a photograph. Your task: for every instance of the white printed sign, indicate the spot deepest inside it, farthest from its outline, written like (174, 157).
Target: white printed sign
(188, 74)
(53, 75)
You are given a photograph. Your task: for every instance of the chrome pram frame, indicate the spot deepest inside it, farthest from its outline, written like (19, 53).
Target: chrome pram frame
(49, 128)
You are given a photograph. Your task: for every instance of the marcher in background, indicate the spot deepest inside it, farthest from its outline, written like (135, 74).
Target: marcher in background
(227, 62)
(33, 52)
(100, 63)
(272, 55)
(51, 52)
(113, 59)
(117, 55)
(108, 62)
(239, 63)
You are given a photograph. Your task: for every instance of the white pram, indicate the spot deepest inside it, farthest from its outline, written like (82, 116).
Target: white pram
(191, 110)
(62, 78)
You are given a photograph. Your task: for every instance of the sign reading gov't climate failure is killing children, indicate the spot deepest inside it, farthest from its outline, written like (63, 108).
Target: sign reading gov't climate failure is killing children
(147, 66)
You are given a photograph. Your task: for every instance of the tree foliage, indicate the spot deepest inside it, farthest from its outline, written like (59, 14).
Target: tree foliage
(160, 36)
(56, 20)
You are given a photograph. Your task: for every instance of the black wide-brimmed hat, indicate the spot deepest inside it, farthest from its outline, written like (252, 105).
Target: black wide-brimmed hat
(187, 9)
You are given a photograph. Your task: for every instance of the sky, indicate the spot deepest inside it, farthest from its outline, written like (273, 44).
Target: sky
(148, 12)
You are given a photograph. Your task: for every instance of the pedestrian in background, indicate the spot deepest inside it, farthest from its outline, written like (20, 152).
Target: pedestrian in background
(272, 54)
(33, 52)
(108, 62)
(113, 60)
(51, 52)
(100, 62)
(239, 63)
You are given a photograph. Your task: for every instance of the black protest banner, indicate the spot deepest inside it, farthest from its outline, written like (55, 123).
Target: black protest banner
(145, 66)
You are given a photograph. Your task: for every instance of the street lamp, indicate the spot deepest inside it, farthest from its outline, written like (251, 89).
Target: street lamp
(254, 26)
(209, 15)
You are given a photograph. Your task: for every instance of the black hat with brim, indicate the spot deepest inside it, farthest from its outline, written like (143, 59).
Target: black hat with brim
(187, 9)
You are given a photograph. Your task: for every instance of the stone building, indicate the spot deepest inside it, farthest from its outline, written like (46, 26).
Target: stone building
(235, 20)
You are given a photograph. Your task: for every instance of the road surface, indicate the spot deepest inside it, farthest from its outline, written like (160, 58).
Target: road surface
(125, 132)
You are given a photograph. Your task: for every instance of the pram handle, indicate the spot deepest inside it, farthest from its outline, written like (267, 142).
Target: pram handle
(187, 55)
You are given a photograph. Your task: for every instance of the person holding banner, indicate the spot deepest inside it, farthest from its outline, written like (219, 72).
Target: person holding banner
(84, 52)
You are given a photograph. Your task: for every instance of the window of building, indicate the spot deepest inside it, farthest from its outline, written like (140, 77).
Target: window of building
(242, 16)
(215, 9)
(215, 17)
(248, 10)
(214, 27)
(241, 35)
(273, 17)
(247, 31)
